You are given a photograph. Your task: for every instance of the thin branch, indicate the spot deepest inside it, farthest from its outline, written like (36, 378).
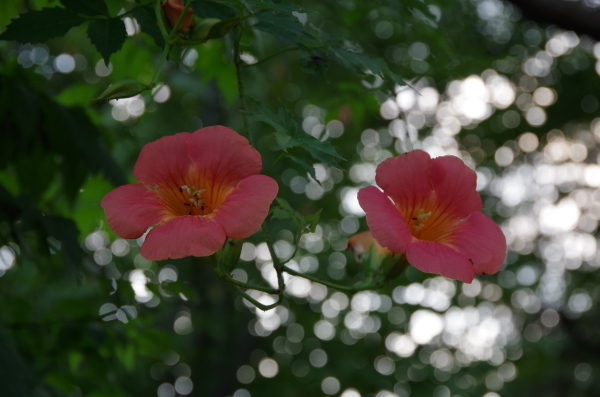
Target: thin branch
(273, 56)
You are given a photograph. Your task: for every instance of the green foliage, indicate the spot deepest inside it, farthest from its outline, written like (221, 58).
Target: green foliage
(84, 314)
(107, 35)
(40, 26)
(86, 7)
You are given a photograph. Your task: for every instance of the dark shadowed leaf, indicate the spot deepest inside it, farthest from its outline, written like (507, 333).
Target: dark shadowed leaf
(39, 26)
(86, 7)
(107, 35)
(146, 17)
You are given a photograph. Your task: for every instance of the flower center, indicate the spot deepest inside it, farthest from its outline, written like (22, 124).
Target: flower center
(418, 221)
(193, 201)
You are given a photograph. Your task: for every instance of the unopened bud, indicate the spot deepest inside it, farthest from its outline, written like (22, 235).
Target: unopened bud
(172, 10)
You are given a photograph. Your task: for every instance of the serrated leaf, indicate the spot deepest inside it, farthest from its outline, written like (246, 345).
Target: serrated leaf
(107, 35)
(220, 29)
(284, 26)
(283, 120)
(65, 231)
(86, 7)
(281, 6)
(146, 17)
(360, 62)
(314, 63)
(39, 26)
(306, 165)
(212, 9)
(286, 141)
(313, 220)
(321, 151)
(280, 213)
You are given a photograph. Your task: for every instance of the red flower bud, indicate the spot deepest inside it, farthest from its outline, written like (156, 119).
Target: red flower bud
(172, 10)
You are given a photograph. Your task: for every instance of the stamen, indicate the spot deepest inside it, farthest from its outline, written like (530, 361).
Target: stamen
(418, 226)
(422, 215)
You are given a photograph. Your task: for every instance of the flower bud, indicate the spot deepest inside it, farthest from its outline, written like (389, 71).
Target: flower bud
(123, 89)
(172, 10)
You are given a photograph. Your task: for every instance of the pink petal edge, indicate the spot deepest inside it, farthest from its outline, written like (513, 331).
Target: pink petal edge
(183, 236)
(164, 162)
(385, 221)
(455, 186)
(405, 178)
(247, 206)
(434, 257)
(223, 157)
(481, 240)
(131, 210)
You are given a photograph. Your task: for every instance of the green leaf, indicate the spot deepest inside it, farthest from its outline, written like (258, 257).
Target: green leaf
(86, 7)
(315, 63)
(65, 231)
(360, 62)
(280, 213)
(306, 165)
(107, 35)
(146, 17)
(286, 141)
(123, 89)
(284, 26)
(281, 6)
(39, 26)
(322, 151)
(283, 120)
(312, 220)
(9, 9)
(212, 9)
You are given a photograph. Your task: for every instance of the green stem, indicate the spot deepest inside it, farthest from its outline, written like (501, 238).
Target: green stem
(221, 275)
(161, 63)
(257, 303)
(273, 56)
(238, 70)
(366, 285)
(281, 156)
(276, 262)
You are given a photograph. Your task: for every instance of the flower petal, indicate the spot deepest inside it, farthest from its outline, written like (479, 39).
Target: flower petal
(455, 187)
(223, 158)
(131, 210)
(482, 241)
(434, 257)
(183, 236)
(385, 221)
(405, 179)
(247, 206)
(164, 162)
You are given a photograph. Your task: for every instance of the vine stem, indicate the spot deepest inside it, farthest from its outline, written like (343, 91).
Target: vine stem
(273, 56)
(224, 276)
(366, 285)
(238, 71)
(281, 156)
(170, 38)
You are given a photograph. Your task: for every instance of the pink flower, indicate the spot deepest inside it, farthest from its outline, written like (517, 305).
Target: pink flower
(197, 189)
(173, 9)
(433, 216)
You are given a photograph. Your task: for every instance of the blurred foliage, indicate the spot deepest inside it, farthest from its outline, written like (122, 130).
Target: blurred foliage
(85, 315)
